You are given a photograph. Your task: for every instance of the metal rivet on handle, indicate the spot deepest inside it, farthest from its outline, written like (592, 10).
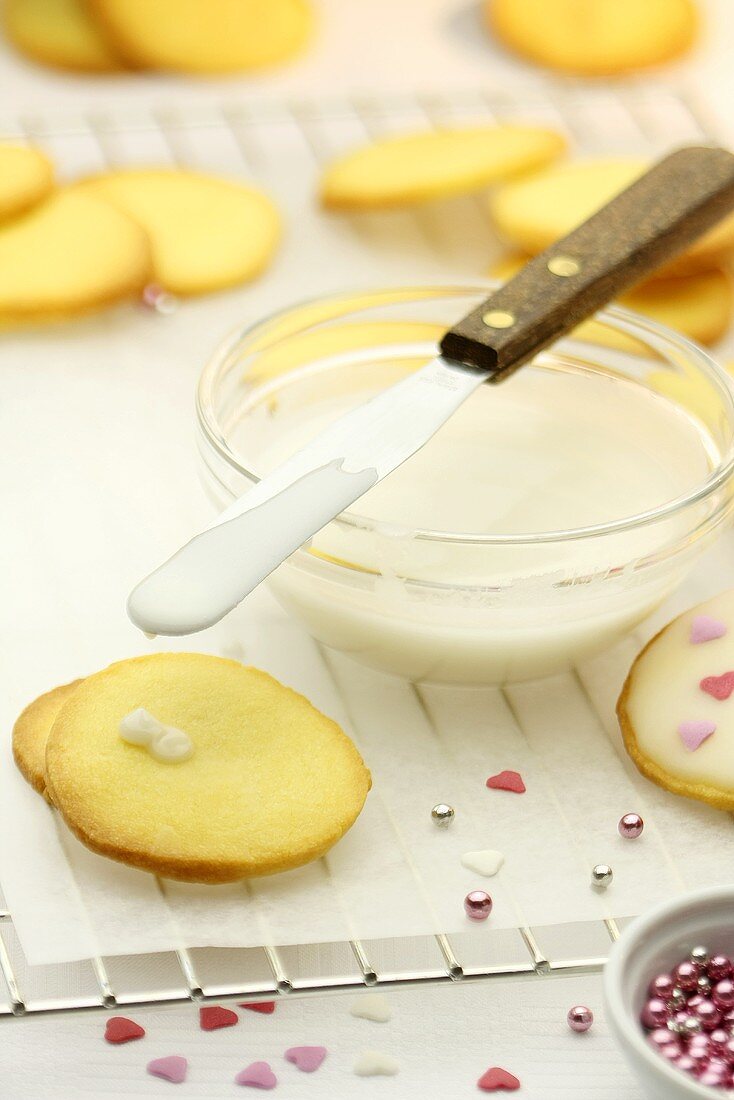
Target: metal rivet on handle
(564, 266)
(498, 318)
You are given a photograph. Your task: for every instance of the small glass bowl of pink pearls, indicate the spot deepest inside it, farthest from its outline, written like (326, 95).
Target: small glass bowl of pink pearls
(669, 990)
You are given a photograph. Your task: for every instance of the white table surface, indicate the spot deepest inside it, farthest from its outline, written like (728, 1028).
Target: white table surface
(443, 1037)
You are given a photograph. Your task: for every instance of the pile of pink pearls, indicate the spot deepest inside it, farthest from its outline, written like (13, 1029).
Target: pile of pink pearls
(689, 1017)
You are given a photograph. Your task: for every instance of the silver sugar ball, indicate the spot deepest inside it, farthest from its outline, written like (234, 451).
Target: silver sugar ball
(601, 876)
(704, 984)
(678, 1000)
(699, 955)
(690, 1026)
(442, 815)
(675, 1026)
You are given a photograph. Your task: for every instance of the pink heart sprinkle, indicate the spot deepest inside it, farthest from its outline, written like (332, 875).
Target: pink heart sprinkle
(693, 734)
(173, 1068)
(720, 687)
(495, 1079)
(212, 1017)
(258, 1075)
(307, 1059)
(507, 781)
(706, 629)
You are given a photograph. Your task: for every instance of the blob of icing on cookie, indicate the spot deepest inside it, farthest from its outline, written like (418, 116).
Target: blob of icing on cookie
(166, 743)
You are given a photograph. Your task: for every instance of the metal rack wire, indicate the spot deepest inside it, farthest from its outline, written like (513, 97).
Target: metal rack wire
(639, 118)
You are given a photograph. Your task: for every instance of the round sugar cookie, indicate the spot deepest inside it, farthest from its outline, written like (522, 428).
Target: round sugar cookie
(60, 33)
(399, 171)
(26, 177)
(594, 37)
(31, 730)
(533, 213)
(271, 783)
(70, 254)
(215, 36)
(700, 306)
(676, 710)
(205, 232)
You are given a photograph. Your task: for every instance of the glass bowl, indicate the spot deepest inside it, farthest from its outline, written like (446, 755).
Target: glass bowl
(550, 516)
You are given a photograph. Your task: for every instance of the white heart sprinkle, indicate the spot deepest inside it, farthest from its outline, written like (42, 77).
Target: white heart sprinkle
(485, 863)
(371, 1006)
(371, 1063)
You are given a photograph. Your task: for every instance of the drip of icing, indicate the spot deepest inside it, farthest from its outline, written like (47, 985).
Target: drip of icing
(166, 743)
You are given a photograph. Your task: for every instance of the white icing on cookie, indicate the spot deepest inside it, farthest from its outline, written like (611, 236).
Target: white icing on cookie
(166, 743)
(372, 1063)
(666, 705)
(371, 1006)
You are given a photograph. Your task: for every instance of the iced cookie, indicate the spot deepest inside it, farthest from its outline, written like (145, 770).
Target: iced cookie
(70, 254)
(594, 37)
(205, 232)
(219, 36)
(699, 306)
(676, 711)
(266, 783)
(30, 734)
(399, 171)
(533, 213)
(26, 177)
(60, 33)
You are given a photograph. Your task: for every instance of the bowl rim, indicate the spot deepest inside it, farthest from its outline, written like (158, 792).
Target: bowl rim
(625, 1027)
(623, 320)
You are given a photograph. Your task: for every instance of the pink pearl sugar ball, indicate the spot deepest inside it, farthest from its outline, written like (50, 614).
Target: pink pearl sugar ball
(580, 1018)
(686, 975)
(686, 1063)
(723, 994)
(662, 986)
(655, 1013)
(630, 826)
(718, 1038)
(478, 905)
(708, 1014)
(662, 1037)
(719, 967)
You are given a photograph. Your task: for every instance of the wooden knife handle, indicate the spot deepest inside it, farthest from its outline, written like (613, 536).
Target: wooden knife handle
(657, 217)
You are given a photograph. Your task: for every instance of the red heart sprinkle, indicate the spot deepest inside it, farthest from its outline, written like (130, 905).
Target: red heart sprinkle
(507, 781)
(121, 1030)
(496, 1079)
(266, 1007)
(720, 687)
(212, 1017)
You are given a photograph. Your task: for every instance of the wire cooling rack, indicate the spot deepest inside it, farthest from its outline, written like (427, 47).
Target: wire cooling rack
(239, 137)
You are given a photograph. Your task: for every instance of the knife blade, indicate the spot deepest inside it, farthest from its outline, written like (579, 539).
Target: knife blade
(655, 218)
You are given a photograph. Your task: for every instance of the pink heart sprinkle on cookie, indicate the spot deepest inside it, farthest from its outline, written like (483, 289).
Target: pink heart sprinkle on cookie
(173, 1068)
(266, 1007)
(258, 1075)
(693, 734)
(307, 1059)
(720, 687)
(121, 1030)
(212, 1017)
(507, 781)
(496, 1080)
(706, 629)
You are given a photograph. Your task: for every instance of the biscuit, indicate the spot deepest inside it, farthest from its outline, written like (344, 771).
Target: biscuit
(271, 783)
(26, 177)
(533, 213)
(70, 254)
(60, 33)
(205, 233)
(675, 710)
(399, 171)
(594, 37)
(700, 306)
(30, 734)
(219, 36)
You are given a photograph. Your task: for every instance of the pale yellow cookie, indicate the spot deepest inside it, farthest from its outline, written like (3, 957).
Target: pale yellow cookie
(30, 734)
(270, 784)
(399, 171)
(26, 177)
(70, 254)
(205, 232)
(60, 33)
(594, 37)
(533, 213)
(699, 306)
(205, 36)
(675, 710)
